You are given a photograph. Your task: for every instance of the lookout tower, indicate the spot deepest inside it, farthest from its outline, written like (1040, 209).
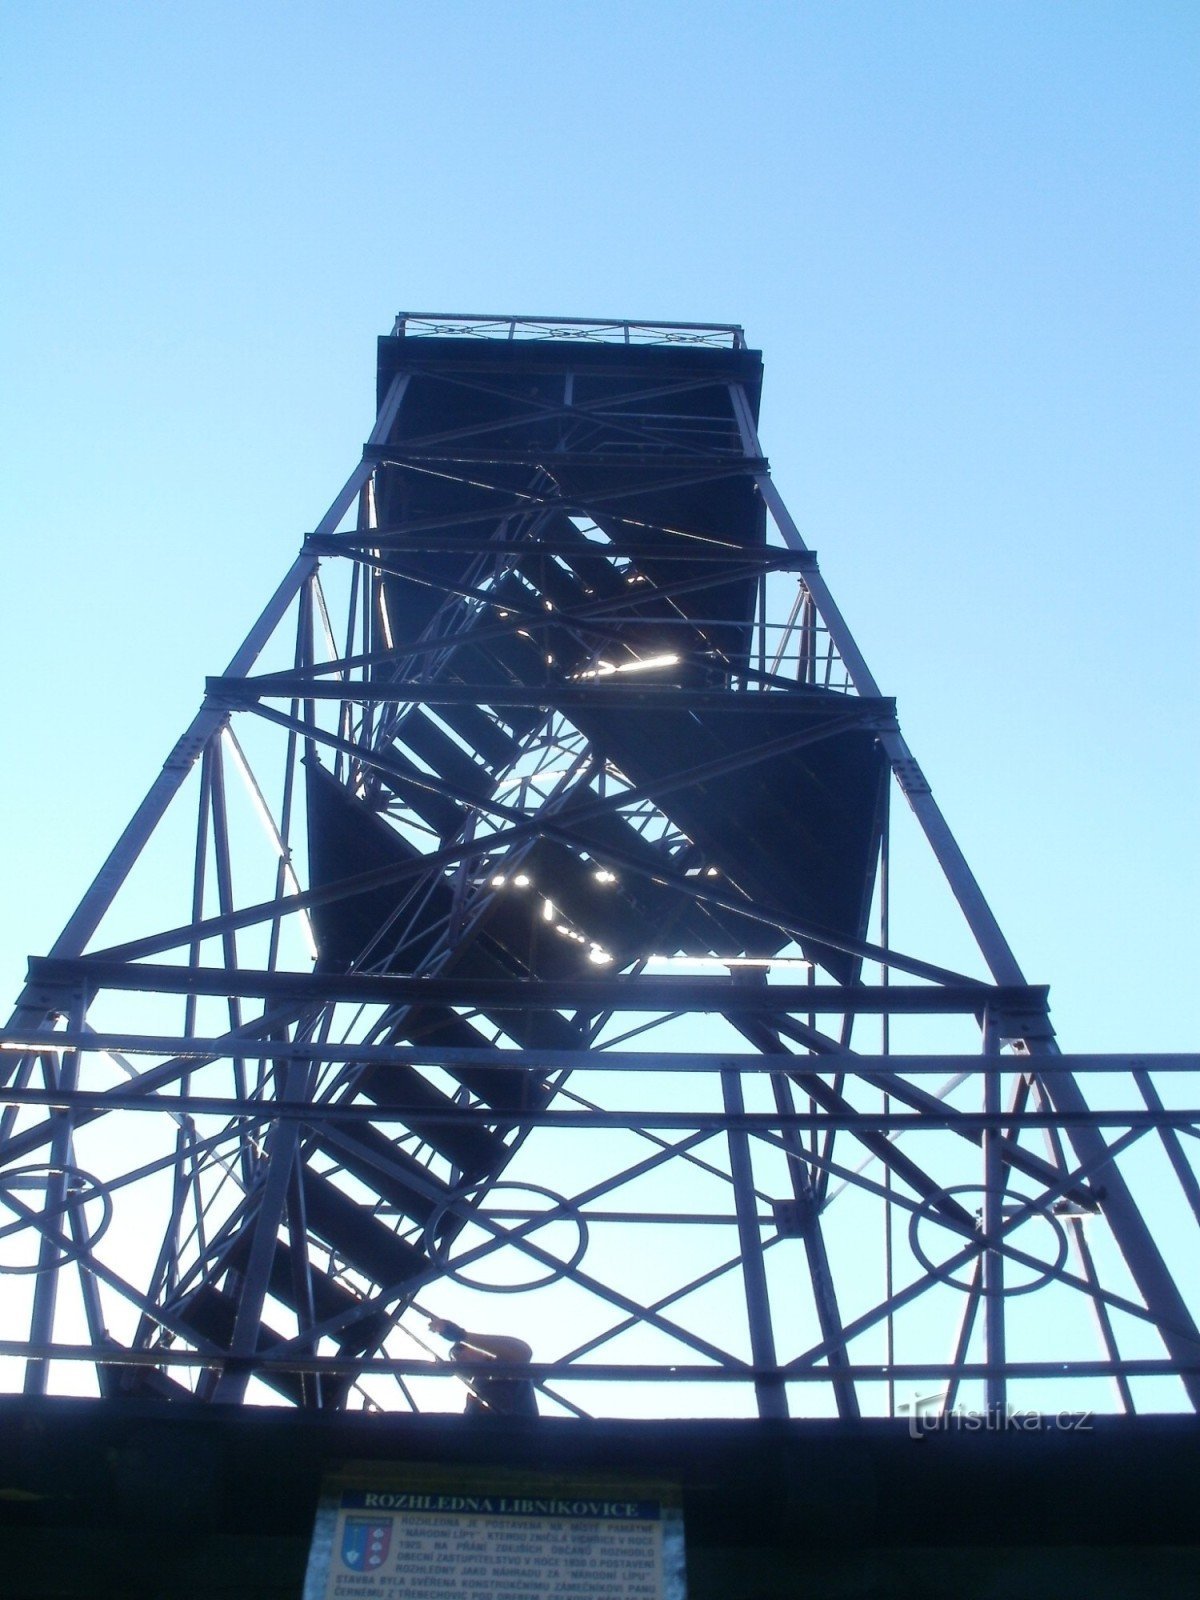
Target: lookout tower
(518, 934)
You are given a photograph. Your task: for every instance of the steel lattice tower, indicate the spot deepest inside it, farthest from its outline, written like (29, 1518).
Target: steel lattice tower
(518, 932)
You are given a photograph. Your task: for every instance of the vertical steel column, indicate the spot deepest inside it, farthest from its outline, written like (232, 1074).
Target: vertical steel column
(829, 1316)
(54, 1213)
(772, 1399)
(992, 1225)
(279, 1159)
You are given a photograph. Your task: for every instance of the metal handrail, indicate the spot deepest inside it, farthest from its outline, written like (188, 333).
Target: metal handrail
(600, 330)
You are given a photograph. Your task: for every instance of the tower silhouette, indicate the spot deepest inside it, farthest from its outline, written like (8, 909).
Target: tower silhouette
(523, 932)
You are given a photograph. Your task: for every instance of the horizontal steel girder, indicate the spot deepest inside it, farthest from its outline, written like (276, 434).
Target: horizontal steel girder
(534, 1059)
(723, 464)
(878, 714)
(761, 1122)
(590, 995)
(691, 551)
(598, 1372)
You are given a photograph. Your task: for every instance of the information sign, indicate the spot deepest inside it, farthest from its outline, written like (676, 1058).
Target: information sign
(402, 1536)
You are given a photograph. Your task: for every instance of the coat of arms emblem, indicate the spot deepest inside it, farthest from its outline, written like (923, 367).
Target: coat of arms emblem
(365, 1542)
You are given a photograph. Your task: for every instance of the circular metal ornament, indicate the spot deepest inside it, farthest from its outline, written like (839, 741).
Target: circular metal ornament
(82, 1189)
(459, 1205)
(924, 1212)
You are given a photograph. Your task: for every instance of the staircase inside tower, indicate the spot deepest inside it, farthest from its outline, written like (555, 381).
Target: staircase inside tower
(575, 533)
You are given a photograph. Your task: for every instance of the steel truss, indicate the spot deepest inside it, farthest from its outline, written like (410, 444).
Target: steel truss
(518, 918)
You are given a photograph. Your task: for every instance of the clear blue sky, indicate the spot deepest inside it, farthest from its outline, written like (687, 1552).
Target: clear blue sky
(964, 234)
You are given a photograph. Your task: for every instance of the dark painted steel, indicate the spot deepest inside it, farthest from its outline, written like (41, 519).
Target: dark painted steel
(679, 993)
(543, 501)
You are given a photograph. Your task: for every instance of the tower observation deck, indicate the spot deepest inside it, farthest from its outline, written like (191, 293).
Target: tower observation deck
(512, 938)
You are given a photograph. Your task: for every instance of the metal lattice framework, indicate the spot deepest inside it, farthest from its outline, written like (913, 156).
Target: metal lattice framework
(523, 931)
